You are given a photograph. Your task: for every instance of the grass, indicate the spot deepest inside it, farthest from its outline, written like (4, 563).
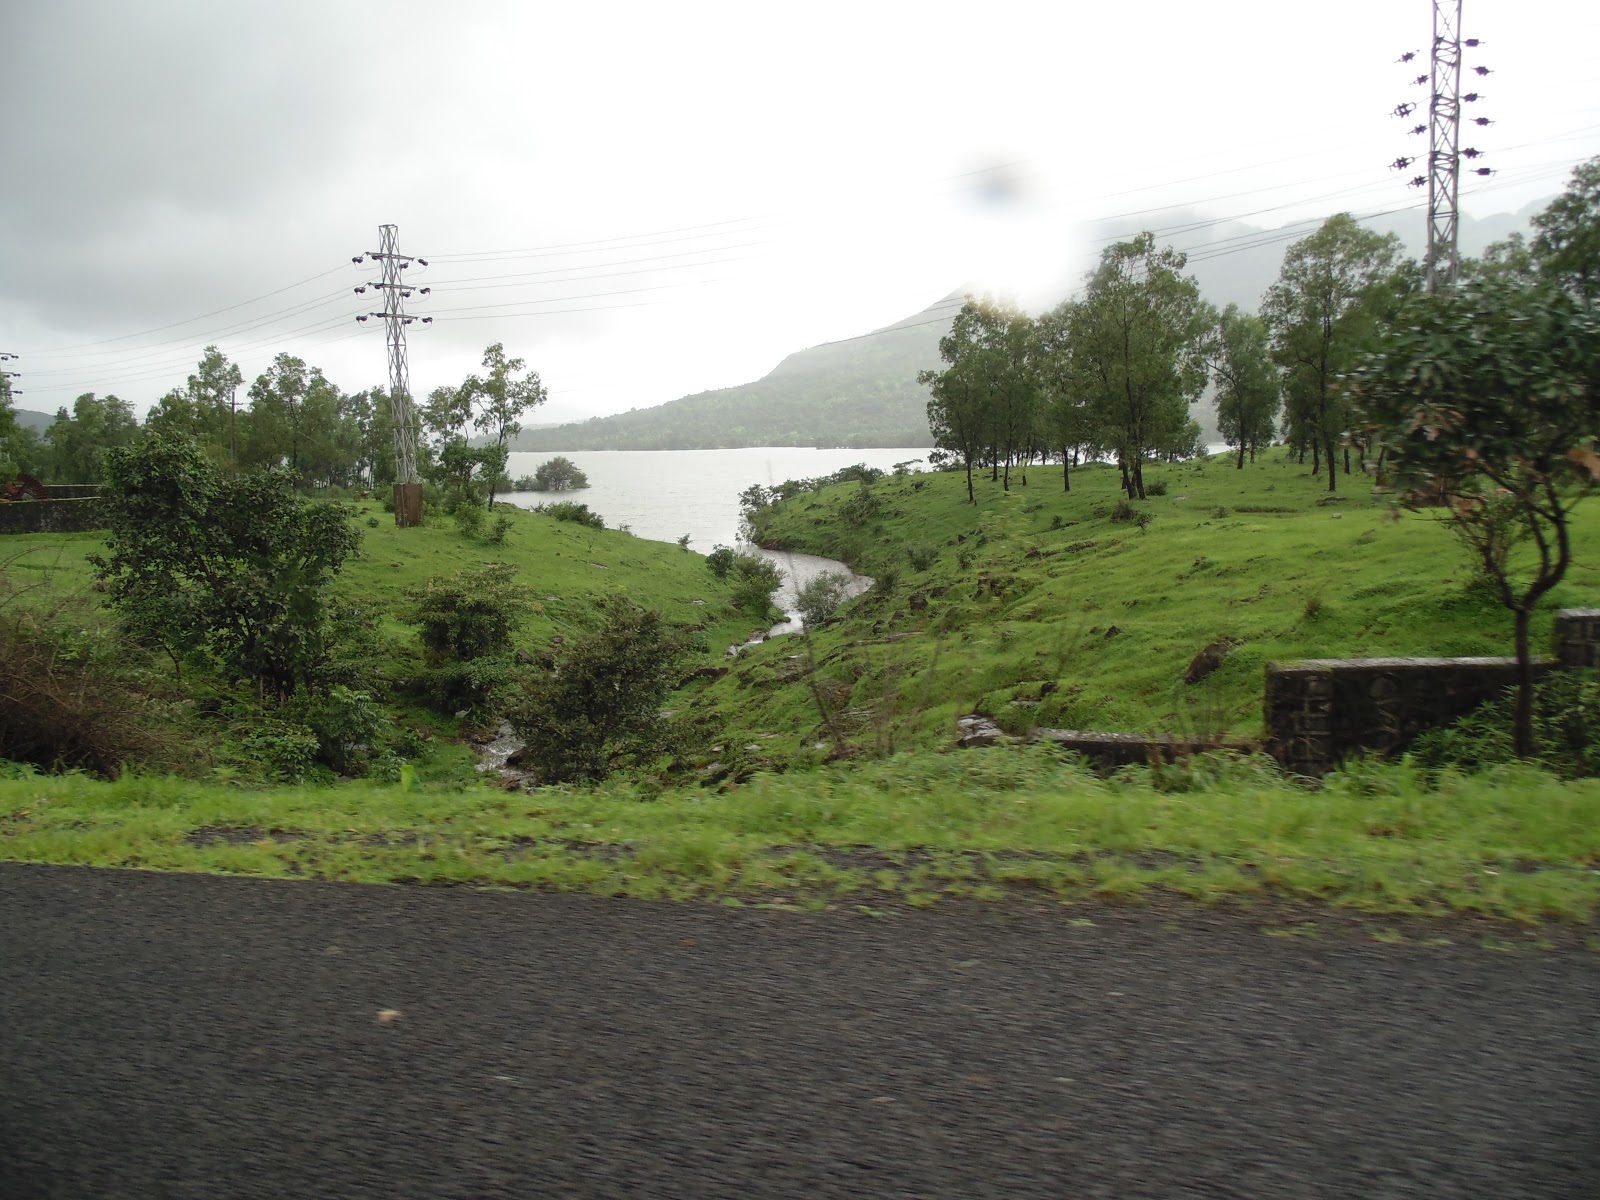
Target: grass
(911, 830)
(1040, 610)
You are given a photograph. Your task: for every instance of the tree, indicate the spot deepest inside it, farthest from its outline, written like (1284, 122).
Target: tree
(79, 440)
(959, 413)
(1140, 338)
(235, 567)
(1248, 395)
(1487, 397)
(1567, 244)
(601, 703)
(277, 413)
(1323, 314)
(559, 474)
(1068, 424)
(500, 400)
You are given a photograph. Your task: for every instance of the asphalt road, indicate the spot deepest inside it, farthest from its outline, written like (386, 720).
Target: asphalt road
(188, 1036)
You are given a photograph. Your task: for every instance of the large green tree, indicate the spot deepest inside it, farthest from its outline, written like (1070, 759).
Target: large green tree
(1248, 386)
(1487, 399)
(1323, 314)
(498, 399)
(1566, 243)
(77, 441)
(1140, 337)
(959, 409)
(1067, 419)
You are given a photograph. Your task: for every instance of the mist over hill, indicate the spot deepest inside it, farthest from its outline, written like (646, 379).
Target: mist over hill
(863, 391)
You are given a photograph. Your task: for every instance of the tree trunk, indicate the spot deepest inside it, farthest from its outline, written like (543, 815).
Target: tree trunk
(1241, 455)
(1347, 460)
(1006, 486)
(1066, 478)
(1316, 458)
(1333, 468)
(1138, 476)
(971, 499)
(1127, 483)
(1523, 737)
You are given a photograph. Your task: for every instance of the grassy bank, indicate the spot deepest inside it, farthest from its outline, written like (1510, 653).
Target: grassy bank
(1041, 607)
(910, 830)
(197, 724)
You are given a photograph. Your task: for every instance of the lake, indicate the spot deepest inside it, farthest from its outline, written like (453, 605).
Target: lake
(664, 494)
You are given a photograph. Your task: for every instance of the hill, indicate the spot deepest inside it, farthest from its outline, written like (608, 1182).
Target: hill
(861, 391)
(36, 421)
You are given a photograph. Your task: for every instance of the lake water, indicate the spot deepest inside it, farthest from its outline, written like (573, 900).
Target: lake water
(664, 494)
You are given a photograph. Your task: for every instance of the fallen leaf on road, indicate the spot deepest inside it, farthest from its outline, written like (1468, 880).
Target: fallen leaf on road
(388, 1015)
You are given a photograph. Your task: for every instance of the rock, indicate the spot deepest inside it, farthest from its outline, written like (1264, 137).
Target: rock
(715, 772)
(1112, 632)
(1209, 659)
(556, 639)
(697, 602)
(525, 658)
(425, 732)
(918, 601)
(707, 673)
(1034, 552)
(977, 730)
(1048, 687)
(547, 660)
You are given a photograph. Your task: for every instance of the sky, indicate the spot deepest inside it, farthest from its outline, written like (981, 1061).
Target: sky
(644, 200)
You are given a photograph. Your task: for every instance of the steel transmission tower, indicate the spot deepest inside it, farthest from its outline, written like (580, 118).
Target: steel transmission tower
(407, 483)
(1444, 145)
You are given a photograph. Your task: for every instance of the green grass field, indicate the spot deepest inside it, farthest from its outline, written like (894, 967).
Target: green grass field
(1036, 607)
(910, 830)
(1042, 611)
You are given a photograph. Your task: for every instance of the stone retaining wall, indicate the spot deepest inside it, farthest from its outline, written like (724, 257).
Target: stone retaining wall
(71, 514)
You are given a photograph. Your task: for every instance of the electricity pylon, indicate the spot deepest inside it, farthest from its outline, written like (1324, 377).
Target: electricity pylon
(1444, 146)
(407, 482)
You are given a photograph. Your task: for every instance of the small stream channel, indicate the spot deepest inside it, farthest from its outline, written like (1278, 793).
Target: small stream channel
(798, 570)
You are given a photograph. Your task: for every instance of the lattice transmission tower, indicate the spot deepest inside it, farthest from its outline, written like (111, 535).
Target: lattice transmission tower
(1444, 145)
(395, 291)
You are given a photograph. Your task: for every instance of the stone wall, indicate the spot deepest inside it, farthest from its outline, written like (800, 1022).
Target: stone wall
(65, 515)
(1578, 638)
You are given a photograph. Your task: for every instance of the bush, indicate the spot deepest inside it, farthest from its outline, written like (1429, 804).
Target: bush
(600, 706)
(286, 751)
(346, 724)
(1566, 722)
(1157, 487)
(558, 475)
(1124, 511)
(720, 561)
(63, 701)
(754, 580)
(469, 517)
(469, 614)
(863, 506)
(821, 597)
(567, 510)
(497, 532)
(524, 483)
(922, 556)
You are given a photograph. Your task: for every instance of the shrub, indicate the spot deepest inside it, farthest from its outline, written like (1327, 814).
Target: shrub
(754, 580)
(861, 507)
(821, 597)
(469, 614)
(1124, 511)
(1566, 720)
(922, 556)
(524, 483)
(887, 581)
(601, 704)
(469, 517)
(1156, 487)
(567, 510)
(373, 522)
(285, 750)
(346, 724)
(497, 532)
(720, 561)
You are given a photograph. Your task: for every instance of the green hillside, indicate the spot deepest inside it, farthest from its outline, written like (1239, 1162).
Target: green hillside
(859, 392)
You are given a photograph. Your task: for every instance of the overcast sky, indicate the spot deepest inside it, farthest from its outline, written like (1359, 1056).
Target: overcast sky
(647, 200)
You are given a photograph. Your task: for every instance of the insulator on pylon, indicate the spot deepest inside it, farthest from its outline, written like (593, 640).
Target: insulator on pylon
(1482, 71)
(1400, 164)
(1404, 110)
(1471, 97)
(1419, 181)
(1483, 171)
(1471, 152)
(361, 316)
(1408, 56)
(356, 260)
(1482, 121)
(1419, 129)
(1473, 42)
